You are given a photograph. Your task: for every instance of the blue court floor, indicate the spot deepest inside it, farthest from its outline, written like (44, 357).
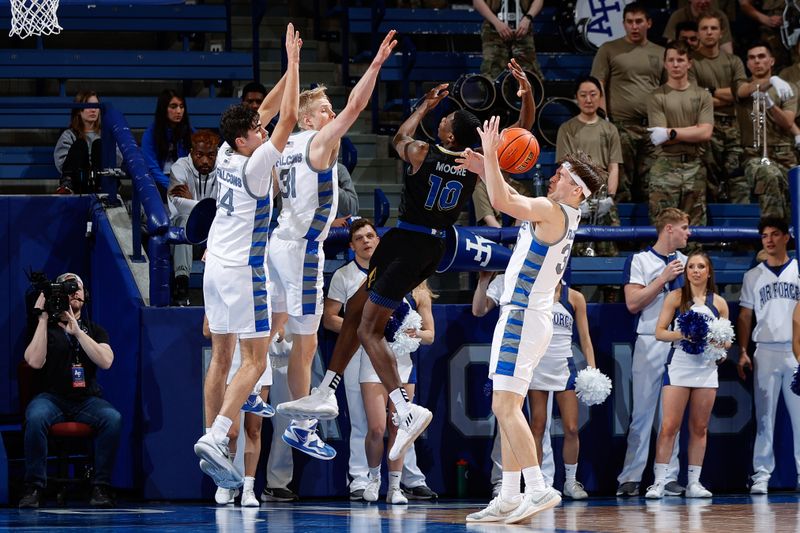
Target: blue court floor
(729, 514)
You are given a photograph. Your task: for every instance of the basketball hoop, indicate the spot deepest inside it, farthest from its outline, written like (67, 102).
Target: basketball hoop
(34, 17)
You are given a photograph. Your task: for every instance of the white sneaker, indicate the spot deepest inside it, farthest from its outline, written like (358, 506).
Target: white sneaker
(215, 462)
(249, 499)
(532, 503)
(655, 491)
(574, 489)
(372, 489)
(395, 496)
(225, 496)
(760, 487)
(320, 404)
(496, 511)
(409, 429)
(696, 490)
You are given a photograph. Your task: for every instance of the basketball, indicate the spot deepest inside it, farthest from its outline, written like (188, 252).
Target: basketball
(518, 150)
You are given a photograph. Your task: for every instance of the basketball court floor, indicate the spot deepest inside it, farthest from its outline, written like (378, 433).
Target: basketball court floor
(729, 514)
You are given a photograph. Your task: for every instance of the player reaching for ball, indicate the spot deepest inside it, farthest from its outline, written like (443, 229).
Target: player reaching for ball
(434, 193)
(525, 326)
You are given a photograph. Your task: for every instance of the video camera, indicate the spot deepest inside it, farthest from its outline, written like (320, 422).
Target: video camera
(56, 293)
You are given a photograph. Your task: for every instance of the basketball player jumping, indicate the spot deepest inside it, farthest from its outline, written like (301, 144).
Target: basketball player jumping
(525, 326)
(235, 282)
(434, 192)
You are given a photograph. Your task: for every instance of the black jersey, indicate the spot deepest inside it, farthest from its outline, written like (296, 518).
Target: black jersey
(435, 194)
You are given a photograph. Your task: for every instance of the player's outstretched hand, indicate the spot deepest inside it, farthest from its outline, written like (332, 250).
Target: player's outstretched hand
(520, 76)
(471, 161)
(385, 49)
(293, 44)
(436, 95)
(490, 135)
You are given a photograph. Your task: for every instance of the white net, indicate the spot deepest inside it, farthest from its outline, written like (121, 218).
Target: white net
(34, 17)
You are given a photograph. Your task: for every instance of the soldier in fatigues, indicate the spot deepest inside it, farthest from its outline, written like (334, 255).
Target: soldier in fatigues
(720, 73)
(630, 68)
(506, 32)
(769, 17)
(681, 117)
(768, 182)
(599, 139)
(696, 10)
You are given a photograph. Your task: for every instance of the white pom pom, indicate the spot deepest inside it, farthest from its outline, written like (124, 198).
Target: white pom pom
(720, 332)
(592, 386)
(403, 344)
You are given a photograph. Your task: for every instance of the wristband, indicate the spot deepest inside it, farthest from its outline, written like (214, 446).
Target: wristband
(528, 16)
(672, 134)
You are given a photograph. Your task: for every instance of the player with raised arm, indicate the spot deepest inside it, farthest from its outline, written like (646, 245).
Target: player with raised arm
(525, 327)
(235, 281)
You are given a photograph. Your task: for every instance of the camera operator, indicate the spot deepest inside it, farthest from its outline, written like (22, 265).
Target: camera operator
(66, 353)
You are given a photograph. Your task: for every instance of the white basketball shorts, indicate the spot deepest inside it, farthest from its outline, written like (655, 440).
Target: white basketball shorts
(236, 299)
(521, 338)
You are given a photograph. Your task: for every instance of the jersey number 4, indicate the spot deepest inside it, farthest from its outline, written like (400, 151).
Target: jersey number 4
(447, 195)
(226, 202)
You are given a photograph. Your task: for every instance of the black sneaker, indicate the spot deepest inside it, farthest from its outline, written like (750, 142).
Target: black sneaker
(356, 495)
(101, 497)
(629, 488)
(278, 495)
(420, 492)
(30, 498)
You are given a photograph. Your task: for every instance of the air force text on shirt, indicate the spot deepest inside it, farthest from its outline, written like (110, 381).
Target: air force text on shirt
(778, 289)
(562, 319)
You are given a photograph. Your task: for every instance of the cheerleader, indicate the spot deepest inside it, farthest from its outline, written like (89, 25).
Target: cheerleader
(376, 401)
(689, 379)
(556, 372)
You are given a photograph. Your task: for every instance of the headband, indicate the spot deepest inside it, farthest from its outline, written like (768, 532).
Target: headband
(586, 191)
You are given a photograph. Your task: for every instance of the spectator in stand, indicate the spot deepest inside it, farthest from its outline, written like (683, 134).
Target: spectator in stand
(506, 32)
(687, 31)
(681, 118)
(719, 73)
(348, 198)
(168, 138)
(253, 94)
(769, 19)
(726, 6)
(600, 139)
(79, 149)
(630, 69)
(693, 12)
(767, 182)
(192, 178)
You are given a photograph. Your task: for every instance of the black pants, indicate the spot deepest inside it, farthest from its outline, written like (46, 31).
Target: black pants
(79, 166)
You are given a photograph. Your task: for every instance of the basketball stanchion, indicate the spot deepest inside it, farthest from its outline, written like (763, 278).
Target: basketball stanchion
(552, 115)
(475, 92)
(430, 123)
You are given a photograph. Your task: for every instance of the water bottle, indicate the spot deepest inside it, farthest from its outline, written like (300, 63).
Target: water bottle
(538, 182)
(461, 478)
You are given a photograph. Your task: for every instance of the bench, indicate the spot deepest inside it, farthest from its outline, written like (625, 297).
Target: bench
(124, 65)
(719, 215)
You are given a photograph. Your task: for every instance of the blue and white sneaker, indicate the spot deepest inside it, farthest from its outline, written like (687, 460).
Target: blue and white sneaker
(216, 462)
(308, 442)
(258, 407)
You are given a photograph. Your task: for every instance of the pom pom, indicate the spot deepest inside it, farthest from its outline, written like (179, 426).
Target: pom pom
(694, 327)
(395, 321)
(402, 343)
(720, 332)
(592, 386)
(795, 386)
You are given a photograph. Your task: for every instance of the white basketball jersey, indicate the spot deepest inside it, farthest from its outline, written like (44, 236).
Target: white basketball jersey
(238, 235)
(536, 268)
(641, 269)
(495, 290)
(563, 319)
(772, 297)
(310, 196)
(346, 282)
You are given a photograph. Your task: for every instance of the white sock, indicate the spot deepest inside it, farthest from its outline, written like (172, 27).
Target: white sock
(330, 380)
(394, 479)
(220, 428)
(400, 400)
(208, 430)
(534, 481)
(509, 490)
(570, 471)
(248, 484)
(694, 474)
(375, 473)
(660, 472)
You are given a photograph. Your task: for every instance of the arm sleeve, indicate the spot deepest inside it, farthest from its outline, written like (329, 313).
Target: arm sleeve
(62, 148)
(99, 334)
(337, 290)
(561, 142)
(600, 64)
(180, 174)
(258, 169)
(632, 272)
(495, 290)
(615, 147)
(480, 200)
(706, 108)
(655, 112)
(150, 157)
(747, 297)
(348, 199)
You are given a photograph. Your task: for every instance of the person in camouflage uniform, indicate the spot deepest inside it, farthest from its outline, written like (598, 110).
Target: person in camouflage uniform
(767, 182)
(629, 69)
(681, 117)
(504, 37)
(600, 140)
(769, 17)
(720, 74)
(695, 11)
